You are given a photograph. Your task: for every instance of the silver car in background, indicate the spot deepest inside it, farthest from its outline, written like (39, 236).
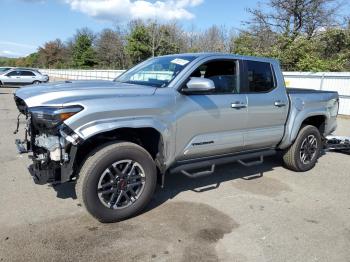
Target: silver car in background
(22, 76)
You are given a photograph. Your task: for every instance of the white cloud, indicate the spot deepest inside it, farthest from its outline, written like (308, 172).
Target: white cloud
(13, 49)
(9, 43)
(8, 53)
(123, 10)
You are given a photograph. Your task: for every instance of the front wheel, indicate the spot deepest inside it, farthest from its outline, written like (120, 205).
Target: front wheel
(303, 154)
(36, 82)
(117, 181)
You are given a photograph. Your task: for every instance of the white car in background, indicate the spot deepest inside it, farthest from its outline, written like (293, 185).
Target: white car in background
(22, 76)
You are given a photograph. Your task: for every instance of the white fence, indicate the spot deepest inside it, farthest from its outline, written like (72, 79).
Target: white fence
(339, 82)
(73, 74)
(327, 81)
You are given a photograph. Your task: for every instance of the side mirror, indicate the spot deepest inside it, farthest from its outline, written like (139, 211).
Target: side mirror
(199, 84)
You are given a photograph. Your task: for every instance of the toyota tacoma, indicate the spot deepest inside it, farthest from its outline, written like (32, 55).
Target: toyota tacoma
(182, 113)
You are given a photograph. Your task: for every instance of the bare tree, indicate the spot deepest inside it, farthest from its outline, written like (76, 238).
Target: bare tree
(214, 39)
(52, 53)
(110, 49)
(292, 18)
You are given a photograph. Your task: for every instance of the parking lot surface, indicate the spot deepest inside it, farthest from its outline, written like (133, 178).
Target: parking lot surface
(262, 213)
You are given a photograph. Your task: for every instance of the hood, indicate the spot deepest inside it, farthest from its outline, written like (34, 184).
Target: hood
(62, 93)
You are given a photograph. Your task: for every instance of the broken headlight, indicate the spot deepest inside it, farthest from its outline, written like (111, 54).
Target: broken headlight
(50, 117)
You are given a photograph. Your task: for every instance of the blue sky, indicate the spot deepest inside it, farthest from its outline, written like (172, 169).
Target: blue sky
(27, 24)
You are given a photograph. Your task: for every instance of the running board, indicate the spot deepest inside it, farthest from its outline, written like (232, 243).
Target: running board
(185, 166)
(199, 174)
(253, 163)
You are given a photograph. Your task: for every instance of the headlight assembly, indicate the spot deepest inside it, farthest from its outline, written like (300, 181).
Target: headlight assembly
(51, 117)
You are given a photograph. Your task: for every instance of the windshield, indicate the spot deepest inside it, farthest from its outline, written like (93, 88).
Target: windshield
(157, 72)
(4, 69)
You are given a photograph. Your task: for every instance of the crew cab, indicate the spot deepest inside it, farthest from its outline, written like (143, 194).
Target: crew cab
(178, 114)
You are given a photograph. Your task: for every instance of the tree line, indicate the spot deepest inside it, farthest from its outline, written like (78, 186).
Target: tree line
(305, 35)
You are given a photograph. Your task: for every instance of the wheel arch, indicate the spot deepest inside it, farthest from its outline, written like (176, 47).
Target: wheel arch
(317, 119)
(149, 138)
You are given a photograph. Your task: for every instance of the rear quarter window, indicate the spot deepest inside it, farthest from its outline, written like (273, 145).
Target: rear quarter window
(260, 77)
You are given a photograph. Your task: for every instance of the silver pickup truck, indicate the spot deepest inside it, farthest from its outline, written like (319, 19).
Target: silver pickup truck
(172, 114)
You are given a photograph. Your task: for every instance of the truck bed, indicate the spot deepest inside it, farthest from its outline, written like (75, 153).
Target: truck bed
(306, 103)
(306, 91)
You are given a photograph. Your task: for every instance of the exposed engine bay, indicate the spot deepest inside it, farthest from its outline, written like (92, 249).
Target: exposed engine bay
(51, 145)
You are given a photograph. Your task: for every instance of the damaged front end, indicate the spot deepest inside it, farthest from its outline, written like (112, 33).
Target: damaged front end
(51, 144)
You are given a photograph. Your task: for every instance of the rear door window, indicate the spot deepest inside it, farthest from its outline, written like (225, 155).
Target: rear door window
(260, 77)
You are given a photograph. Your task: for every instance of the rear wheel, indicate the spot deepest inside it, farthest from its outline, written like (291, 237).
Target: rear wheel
(303, 154)
(117, 181)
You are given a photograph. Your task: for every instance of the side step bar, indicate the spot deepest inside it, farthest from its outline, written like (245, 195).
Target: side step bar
(253, 163)
(199, 174)
(185, 166)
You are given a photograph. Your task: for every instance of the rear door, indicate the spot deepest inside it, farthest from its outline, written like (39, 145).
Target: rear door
(267, 105)
(212, 123)
(27, 77)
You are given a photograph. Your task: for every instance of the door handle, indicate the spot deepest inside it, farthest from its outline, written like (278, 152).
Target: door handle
(238, 105)
(280, 103)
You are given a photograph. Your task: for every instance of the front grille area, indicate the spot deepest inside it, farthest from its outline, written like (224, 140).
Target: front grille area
(21, 105)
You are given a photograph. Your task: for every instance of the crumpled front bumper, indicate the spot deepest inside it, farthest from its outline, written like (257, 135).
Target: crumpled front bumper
(42, 175)
(44, 170)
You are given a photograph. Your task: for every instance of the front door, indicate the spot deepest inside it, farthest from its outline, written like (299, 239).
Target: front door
(12, 78)
(212, 123)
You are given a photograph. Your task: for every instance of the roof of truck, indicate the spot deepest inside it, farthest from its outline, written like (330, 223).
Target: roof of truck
(228, 55)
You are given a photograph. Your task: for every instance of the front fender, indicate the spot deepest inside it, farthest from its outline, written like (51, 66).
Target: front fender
(101, 126)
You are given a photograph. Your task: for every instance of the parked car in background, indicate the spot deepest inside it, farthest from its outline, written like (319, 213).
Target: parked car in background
(22, 76)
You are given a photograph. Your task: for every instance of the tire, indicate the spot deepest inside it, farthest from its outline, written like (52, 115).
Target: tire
(308, 142)
(36, 82)
(93, 177)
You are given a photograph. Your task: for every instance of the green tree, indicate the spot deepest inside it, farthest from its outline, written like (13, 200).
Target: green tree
(83, 53)
(139, 43)
(149, 39)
